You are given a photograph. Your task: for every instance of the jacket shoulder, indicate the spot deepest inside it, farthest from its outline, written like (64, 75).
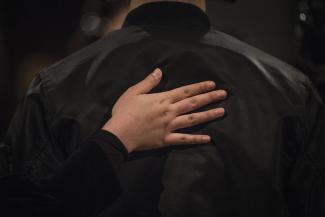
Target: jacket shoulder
(266, 63)
(84, 60)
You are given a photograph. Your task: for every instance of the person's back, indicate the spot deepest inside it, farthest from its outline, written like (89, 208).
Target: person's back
(266, 157)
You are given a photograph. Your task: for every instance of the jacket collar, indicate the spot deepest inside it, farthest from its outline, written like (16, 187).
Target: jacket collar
(173, 14)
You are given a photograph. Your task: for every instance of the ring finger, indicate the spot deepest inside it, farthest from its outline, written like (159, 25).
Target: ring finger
(194, 119)
(196, 102)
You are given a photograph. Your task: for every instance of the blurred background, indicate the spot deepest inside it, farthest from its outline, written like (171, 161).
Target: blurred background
(37, 33)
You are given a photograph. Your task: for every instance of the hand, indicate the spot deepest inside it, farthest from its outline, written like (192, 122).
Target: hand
(145, 121)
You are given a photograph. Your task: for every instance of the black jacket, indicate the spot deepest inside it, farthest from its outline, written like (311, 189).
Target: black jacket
(267, 157)
(82, 186)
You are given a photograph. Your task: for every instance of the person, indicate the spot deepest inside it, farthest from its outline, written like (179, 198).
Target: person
(265, 159)
(68, 193)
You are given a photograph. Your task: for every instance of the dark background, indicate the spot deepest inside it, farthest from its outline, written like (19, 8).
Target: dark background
(37, 33)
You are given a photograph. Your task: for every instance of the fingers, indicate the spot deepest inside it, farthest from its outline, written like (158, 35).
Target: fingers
(146, 85)
(196, 102)
(196, 119)
(190, 90)
(186, 139)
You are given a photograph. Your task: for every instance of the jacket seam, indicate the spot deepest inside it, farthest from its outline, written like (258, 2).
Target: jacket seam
(43, 141)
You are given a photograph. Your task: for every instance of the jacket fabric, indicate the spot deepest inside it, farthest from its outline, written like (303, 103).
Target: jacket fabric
(83, 186)
(266, 158)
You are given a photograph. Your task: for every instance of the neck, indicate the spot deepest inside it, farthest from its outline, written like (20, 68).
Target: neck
(199, 3)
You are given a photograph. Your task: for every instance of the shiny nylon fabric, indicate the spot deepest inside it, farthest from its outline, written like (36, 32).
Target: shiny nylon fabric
(266, 157)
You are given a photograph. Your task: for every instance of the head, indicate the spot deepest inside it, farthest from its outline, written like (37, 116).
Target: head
(118, 10)
(199, 3)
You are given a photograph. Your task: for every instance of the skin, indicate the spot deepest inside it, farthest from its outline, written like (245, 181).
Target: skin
(145, 121)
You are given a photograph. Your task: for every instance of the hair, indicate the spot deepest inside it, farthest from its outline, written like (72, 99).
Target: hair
(200, 3)
(189, 1)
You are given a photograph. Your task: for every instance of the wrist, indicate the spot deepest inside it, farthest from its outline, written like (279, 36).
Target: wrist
(121, 134)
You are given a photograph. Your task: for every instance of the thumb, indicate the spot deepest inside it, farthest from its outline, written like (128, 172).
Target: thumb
(150, 82)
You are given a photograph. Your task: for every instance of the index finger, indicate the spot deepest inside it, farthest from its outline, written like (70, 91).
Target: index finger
(184, 92)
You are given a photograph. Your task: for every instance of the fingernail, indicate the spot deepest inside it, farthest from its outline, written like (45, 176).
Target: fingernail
(211, 84)
(206, 138)
(157, 73)
(222, 93)
(219, 111)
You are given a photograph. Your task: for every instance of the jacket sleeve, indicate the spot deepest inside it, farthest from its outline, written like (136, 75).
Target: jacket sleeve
(84, 185)
(82, 182)
(87, 183)
(28, 137)
(306, 186)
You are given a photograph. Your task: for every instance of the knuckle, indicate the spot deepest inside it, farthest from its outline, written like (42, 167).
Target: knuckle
(212, 96)
(208, 115)
(187, 91)
(169, 101)
(192, 119)
(165, 98)
(172, 110)
(166, 110)
(193, 103)
(203, 87)
(184, 139)
(165, 113)
(166, 122)
(211, 114)
(169, 109)
(198, 139)
(162, 101)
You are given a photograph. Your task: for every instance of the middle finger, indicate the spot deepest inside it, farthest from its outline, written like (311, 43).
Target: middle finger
(196, 102)
(184, 92)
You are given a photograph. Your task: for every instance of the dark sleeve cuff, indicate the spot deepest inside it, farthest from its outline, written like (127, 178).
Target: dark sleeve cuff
(110, 143)
(112, 147)
(88, 181)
